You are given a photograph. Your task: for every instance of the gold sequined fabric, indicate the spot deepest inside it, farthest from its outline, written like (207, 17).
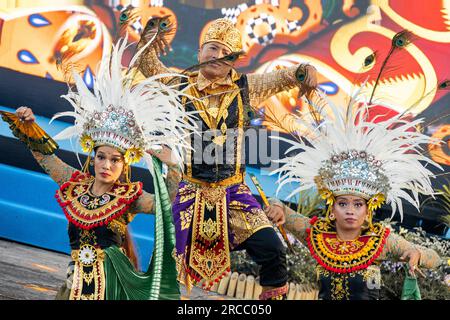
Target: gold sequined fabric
(263, 86)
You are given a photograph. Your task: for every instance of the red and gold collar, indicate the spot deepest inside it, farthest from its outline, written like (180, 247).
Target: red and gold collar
(341, 256)
(87, 211)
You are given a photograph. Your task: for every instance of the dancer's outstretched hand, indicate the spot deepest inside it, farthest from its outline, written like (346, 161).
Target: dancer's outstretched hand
(306, 74)
(159, 26)
(275, 213)
(165, 155)
(414, 256)
(25, 114)
(311, 79)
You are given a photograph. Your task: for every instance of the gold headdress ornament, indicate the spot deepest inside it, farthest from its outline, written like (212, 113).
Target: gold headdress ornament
(223, 31)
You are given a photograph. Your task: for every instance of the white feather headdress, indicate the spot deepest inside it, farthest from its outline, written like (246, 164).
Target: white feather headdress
(346, 154)
(132, 118)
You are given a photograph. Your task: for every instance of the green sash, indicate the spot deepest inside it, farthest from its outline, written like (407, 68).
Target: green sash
(123, 282)
(411, 289)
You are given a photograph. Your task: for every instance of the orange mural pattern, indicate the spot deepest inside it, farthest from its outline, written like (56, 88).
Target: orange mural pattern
(335, 36)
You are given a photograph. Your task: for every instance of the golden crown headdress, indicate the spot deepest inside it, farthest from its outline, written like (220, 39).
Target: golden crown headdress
(223, 31)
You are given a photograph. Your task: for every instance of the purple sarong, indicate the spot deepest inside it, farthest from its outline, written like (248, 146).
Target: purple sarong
(209, 222)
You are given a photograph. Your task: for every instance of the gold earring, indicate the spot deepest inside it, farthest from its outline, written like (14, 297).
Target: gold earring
(369, 222)
(87, 163)
(127, 173)
(329, 216)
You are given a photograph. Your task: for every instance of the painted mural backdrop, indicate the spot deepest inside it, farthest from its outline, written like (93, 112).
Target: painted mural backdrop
(334, 35)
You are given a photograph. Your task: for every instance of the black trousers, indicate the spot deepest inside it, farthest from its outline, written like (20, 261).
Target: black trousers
(267, 250)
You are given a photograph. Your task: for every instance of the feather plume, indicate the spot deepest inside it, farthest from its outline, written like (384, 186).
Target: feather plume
(343, 130)
(156, 107)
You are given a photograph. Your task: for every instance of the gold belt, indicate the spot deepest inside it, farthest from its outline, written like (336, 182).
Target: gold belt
(236, 179)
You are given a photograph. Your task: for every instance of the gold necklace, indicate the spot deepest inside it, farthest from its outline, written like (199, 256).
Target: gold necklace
(91, 192)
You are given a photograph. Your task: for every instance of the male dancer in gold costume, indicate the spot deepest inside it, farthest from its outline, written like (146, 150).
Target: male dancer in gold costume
(214, 211)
